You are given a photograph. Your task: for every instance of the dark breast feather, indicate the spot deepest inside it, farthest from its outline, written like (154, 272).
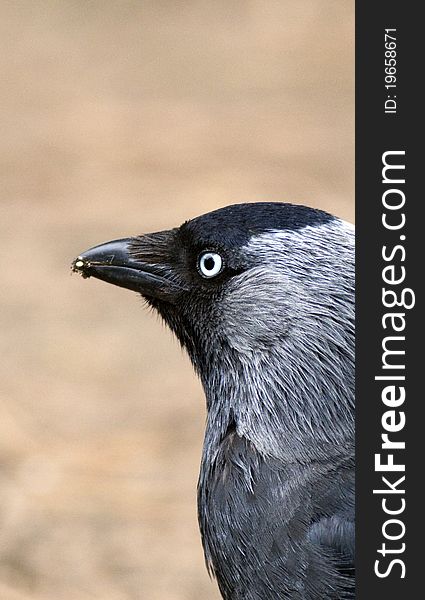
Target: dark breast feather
(274, 530)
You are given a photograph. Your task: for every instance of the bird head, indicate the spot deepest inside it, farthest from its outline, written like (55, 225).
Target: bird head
(261, 296)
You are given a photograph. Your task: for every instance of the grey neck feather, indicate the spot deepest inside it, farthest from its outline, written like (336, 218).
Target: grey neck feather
(280, 366)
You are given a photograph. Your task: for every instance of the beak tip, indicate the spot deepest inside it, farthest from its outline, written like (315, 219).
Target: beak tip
(109, 253)
(80, 265)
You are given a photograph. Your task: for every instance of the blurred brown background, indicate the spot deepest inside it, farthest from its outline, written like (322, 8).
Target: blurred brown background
(120, 117)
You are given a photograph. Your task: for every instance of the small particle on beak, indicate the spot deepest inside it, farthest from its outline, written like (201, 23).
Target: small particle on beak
(79, 265)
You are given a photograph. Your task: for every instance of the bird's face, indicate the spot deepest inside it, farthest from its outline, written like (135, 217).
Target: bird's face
(238, 277)
(182, 273)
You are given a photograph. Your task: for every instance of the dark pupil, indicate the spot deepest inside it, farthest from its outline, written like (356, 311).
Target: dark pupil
(209, 263)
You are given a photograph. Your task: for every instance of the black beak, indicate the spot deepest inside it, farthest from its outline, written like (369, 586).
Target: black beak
(116, 262)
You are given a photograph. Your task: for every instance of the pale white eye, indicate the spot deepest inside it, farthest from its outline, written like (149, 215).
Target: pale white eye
(210, 264)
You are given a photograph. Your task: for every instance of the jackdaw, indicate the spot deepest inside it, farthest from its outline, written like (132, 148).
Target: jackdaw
(262, 298)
